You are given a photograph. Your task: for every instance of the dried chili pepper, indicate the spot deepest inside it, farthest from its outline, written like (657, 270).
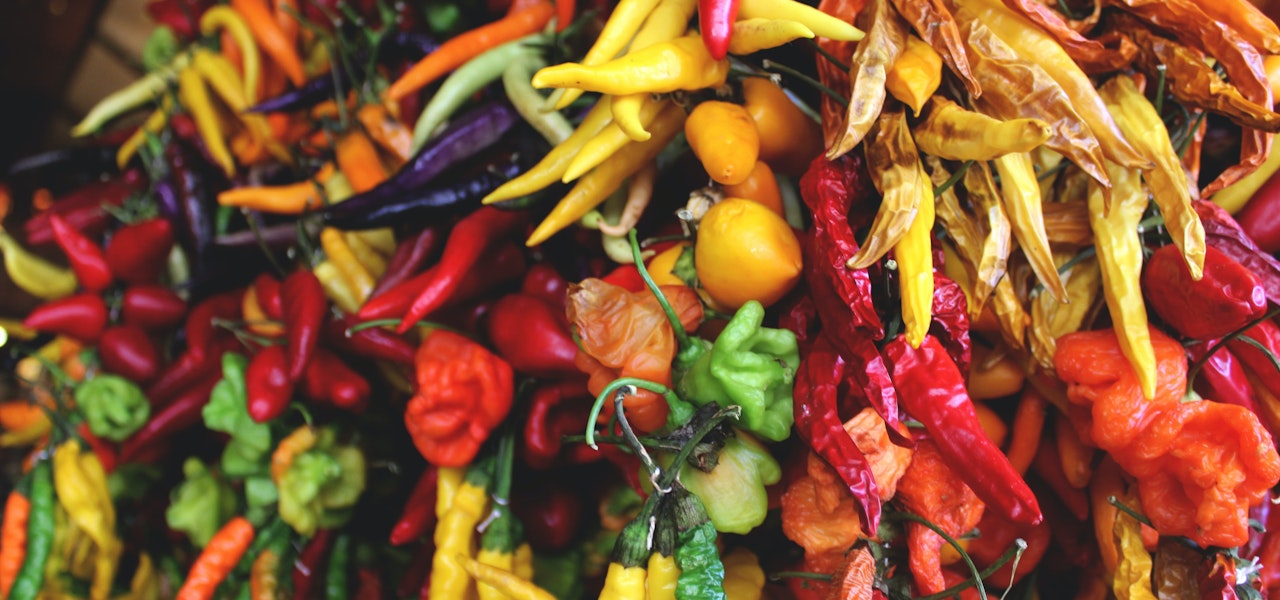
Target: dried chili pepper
(938, 493)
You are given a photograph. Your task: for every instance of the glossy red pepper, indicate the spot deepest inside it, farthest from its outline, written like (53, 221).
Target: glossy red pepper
(329, 379)
(152, 307)
(410, 256)
(1225, 299)
(84, 209)
(372, 342)
(187, 370)
(551, 514)
(550, 419)
(81, 317)
(137, 253)
(183, 412)
(128, 351)
(268, 384)
(86, 257)
(200, 330)
(715, 21)
(1222, 232)
(1222, 377)
(310, 564)
(626, 277)
(470, 239)
(533, 336)
(308, 307)
(267, 289)
(419, 514)
(543, 281)
(501, 265)
(1260, 218)
(1266, 334)
(931, 389)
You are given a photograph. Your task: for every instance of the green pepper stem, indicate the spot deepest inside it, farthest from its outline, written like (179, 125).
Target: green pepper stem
(968, 560)
(682, 336)
(780, 575)
(955, 178)
(1199, 364)
(816, 47)
(673, 471)
(842, 101)
(1013, 552)
(1128, 510)
(617, 384)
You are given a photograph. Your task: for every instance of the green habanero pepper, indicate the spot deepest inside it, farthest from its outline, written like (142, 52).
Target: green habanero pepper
(733, 493)
(321, 484)
(751, 366)
(113, 406)
(200, 504)
(26, 586)
(701, 572)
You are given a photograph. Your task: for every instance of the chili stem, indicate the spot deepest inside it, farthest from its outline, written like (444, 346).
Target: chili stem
(617, 384)
(816, 47)
(682, 336)
(1263, 349)
(1014, 552)
(780, 575)
(955, 177)
(968, 561)
(1051, 171)
(630, 435)
(842, 101)
(669, 478)
(1126, 509)
(1163, 71)
(252, 218)
(1199, 364)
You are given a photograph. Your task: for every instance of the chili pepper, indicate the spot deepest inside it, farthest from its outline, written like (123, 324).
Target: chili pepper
(142, 90)
(328, 378)
(309, 562)
(1223, 378)
(893, 163)
(151, 307)
(33, 274)
(419, 515)
(273, 40)
(743, 470)
(152, 126)
(468, 79)
(358, 160)
(715, 22)
(292, 198)
(622, 25)
(81, 485)
(128, 351)
(193, 95)
(84, 209)
(701, 572)
(502, 264)
(227, 19)
(85, 256)
(29, 579)
(217, 560)
(552, 126)
(335, 581)
(531, 336)
(885, 40)
(179, 414)
(523, 19)
(450, 418)
(410, 256)
(1256, 358)
(13, 537)
(544, 282)
(454, 534)
(137, 253)
(680, 64)
(723, 136)
(1222, 232)
(544, 428)
(1048, 464)
(822, 24)
(304, 296)
(951, 132)
(263, 578)
(1225, 299)
(81, 317)
(942, 404)
(625, 579)
(194, 188)
(305, 96)
(269, 385)
(199, 327)
(937, 493)
(505, 582)
(113, 406)
(372, 342)
(555, 163)
(611, 139)
(355, 276)
(914, 255)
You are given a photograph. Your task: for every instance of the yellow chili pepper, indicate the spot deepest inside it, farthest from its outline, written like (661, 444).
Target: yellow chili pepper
(365, 254)
(81, 486)
(953, 133)
(195, 98)
(225, 82)
(1051, 318)
(1132, 579)
(985, 198)
(33, 274)
(524, 561)
(914, 255)
(557, 161)
(143, 90)
(448, 482)
(1119, 245)
(596, 186)
(660, 580)
(969, 241)
(26, 436)
(753, 35)
(623, 583)
(224, 17)
(454, 536)
(357, 278)
(875, 54)
(294, 444)
(916, 75)
(382, 240)
(724, 138)
(668, 21)
(493, 561)
(610, 139)
(335, 287)
(1139, 121)
(1020, 192)
(895, 170)
(680, 64)
(822, 24)
(1012, 316)
(144, 585)
(622, 25)
(508, 584)
(1233, 197)
(154, 123)
(743, 577)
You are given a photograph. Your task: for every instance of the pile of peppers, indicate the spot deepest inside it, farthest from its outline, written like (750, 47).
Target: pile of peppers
(645, 299)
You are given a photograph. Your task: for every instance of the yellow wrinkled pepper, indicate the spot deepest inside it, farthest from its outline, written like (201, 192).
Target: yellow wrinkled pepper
(1132, 579)
(1020, 193)
(895, 170)
(743, 577)
(660, 582)
(953, 133)
(915, 75)
(454, 536)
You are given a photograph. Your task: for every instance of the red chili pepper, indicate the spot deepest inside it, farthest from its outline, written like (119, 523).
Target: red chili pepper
(544, 427)
(128, 351)
(503, 264)
(551, 515)
(183, 412)
(188, 370)
(410, 256)
(816, 393)
(626, 277)
(310, 563)
(419, 514)
(1267, 334)
(308, 306)
(152, 307)
(1223, 378)
(83, 209)
(268, 384)
(564, 13)
(370, 587)
(545, 282)
(82, 317)
(199, 328)
(1260, 218)
(1268, 550)
(931, 389)
(1225, 299)
(470, 239)
(138, 252)
(329, 379)
(416, 581)
(715, 21)
(85, 256)
(105, 451)
(532, 336)
(267, 289)
(951, 320)
(1222, 232)
(373, 342)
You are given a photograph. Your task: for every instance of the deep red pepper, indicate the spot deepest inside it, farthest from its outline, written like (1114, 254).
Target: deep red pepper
(310, 563)
(411, 256)
(82, 317)
(152, 307)
(544, 427)
(416, 573)
(370, 586)
(1217, 577)
(373, 342)
(1222, 378)
(545, 282)
(105, 450)
(715, 21)
(128, 351)
(138, 252)
(1268, 549)
(1222, 232)
(183, 412)
(551, 515)
(308, 307)
(869, 381)
(626, 277)
(85, 256)
(329, 379)
(419, 514)
(83, 209)
(468, 242)
(931, 389)
(801, 318)
(1225, 299)
(1260, 218)
(1267, 334)
(268, 384)
(816, 392)
(199, 328)
(501, 265)
(267, 289)
(187, 370)
(533, 336)
(951, 320)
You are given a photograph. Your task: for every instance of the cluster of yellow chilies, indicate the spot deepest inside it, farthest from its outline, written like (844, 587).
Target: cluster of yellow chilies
(644, 53)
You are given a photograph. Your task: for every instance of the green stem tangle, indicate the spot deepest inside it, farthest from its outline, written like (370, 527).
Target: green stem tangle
(682, 336)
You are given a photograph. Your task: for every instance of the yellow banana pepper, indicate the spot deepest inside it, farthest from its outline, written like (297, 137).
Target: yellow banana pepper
(224, 17)
(623, 583)
(622, 25)
(680, 64)
(194, 96)
(504, 582)
(1233, 197)
(914, 255)
(753, 35)
(1020, 192)
(610, 139)
(357, 278)
(895, 170)
(335, 286)
(953, 133)
(81, 486)
(668, 21)
(1132, 579)
(33, 274)
(153, 125)
(1052, 319)
(822, 24)
(660, 581)
(557, 161)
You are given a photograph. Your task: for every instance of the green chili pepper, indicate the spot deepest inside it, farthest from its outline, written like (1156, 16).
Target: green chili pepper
(113, 406)
(26, 586)
(751, 366)
(335, 580)
(701, 572)
(516, 81)
(143, 90)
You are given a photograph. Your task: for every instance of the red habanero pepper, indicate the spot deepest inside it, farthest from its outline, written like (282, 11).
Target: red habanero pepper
(267, 384)
(199, 327)
(419, 514)
(267, 289)
(152, 307)
(128, 351)
(310, 564)
(543, 281)
(468, 241)
(85, 256)
(547, 422)
(715, 21)
(83, 209)
(1266, 334)
(935, 491)
(1222, 232)
(372, 342)
(409, 258)
(138, 252)
(1226, 298)
(463, 392)
(183, 412)
(533, 336)
(931, 389)
(501, 265)
(329, 379)
(308, 306)
(82, 317)
(816, 393)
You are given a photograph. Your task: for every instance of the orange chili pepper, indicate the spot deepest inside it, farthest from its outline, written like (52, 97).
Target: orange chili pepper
(301, 440)
(761, 186)
(13, 539)
(274, 41)
(1028, 422)
(564, 13)
(523, 19)
(1077, 459)
(256, 318)
(385, 130)
(992, 424)
(286, 17)
(1108, 481)
(282, 199)
(17, 415)
(358, 160)
(217, 560)
(231, 51)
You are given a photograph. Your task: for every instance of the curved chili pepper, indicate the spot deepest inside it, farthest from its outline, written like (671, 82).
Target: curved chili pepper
(328, 378)
(84, 209)
(199, 327)
(715, 21)
(532, 336)
(152, 307)
(374, 342)
(543, 281)
(410, 256)
(303, 294)
(503, 264)
(544, 428)
(217, 560)
(181, 413)
(82, 317)
(1222, 232)
(1226, 298)
(268, 384)
(126, 350)
(311, 93)
(195, 186)
(85, 256)
(419, 514)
